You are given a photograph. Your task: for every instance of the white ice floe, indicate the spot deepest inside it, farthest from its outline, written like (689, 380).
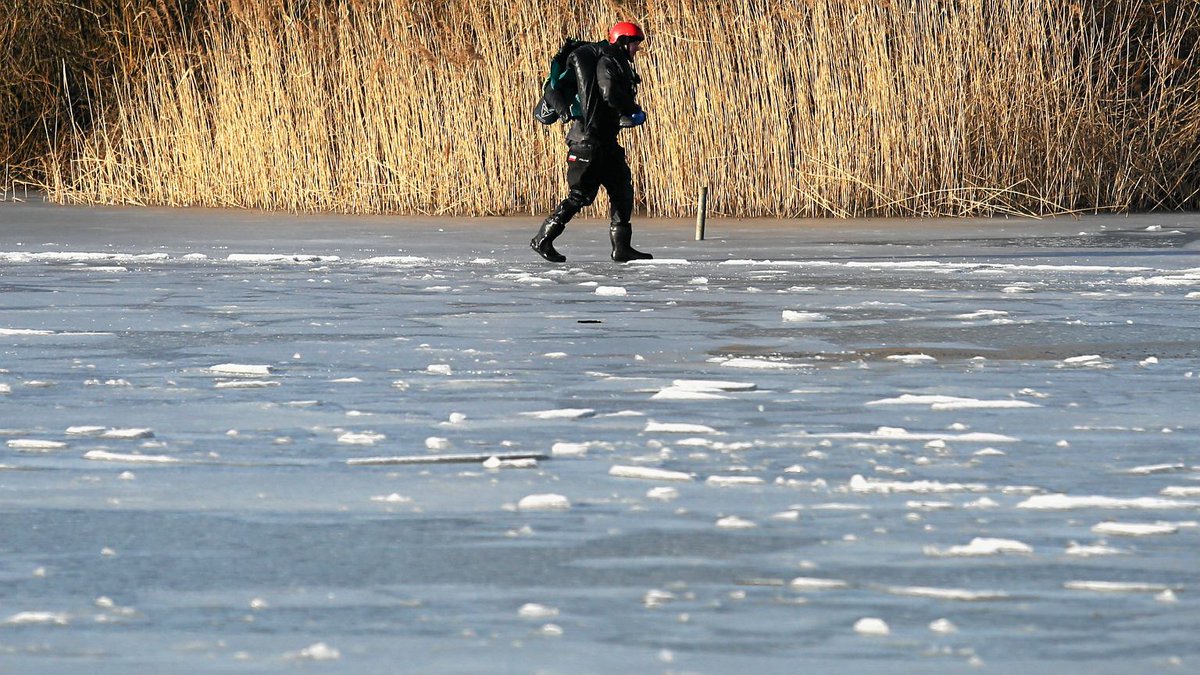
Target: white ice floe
(681, 394)
(522, 463)
(1061, 502)
(662, 494)
(1181, 491)
(1150, 469)
(816, 584)
(1166, 595)
(437, 443)
(240, 370)
(982, 314)
(868, 485)
(943, 626)
(761, 363)
(85, 430)
(1090, 550)
(1182, 278)
(105, 456)
(870, 625)
(793, 316)
(393, 498)
(649, 473)
(246, 384)
(611, 291)
(677, 428)
(713, 385)
(733, 481)
(544, 502)
(38, 618)
(317, 652)
(439, 369)
(981, 546)
(360, 438)
(912, 359)
(657, 598)
(35, 445)
(564, 449)
(263, 258)
(735, 523)
(561, 414)
(1134, 529)
(1116, 586)
(127, 434)
(533, 610)
(1085, 361)
(397, 260)
(944, 403)
(24, 332)
(901, 434)
(946, 593)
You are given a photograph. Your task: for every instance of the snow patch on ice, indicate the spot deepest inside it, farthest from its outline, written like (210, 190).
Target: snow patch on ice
(981, 546)
(317, 652)
(544, 502)
(794, 316)
(648, 473)
(733, 481)
(240, 370)
(761, 363)
(35, 445)
(105, 456)
(1065, 502)
(31, 618)
(1089, 550)
(912, 359)
(936, 402)
(682, 394)
(868, 485)
(678, 428)
(1134, 529)
(533, 610)
(946, 593)
(735, 523)
(561, 414)
(816, 584)
(1116, 586)
(360, 438)
(899, 434)
(870, 625)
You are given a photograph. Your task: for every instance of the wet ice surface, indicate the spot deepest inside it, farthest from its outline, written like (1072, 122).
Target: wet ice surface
(847, 447)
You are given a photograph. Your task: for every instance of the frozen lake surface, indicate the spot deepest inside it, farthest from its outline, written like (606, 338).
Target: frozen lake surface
(859, 447)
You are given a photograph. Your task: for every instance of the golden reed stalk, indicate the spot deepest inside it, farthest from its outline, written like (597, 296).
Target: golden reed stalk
(787, 108)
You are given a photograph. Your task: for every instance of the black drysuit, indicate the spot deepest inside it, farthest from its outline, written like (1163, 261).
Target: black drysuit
(607, 86)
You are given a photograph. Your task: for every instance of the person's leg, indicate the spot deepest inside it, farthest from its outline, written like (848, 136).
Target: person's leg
(583, 179)
(618, 182)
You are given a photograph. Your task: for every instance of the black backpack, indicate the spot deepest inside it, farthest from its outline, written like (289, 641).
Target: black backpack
(559, 94)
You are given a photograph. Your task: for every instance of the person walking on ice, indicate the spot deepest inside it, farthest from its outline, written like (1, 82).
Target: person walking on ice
(606, 86)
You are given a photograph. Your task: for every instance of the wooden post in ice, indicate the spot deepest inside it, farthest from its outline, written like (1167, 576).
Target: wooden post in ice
(700, 213)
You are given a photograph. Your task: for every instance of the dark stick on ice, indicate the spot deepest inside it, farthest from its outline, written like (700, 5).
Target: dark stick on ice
(701, 208)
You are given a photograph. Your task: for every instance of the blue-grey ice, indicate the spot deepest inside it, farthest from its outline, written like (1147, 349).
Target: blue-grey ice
(243, 442)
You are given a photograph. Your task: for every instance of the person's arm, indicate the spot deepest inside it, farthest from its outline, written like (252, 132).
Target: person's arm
(615, 87)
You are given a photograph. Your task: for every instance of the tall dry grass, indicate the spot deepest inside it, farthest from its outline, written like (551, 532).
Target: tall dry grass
(784, 107)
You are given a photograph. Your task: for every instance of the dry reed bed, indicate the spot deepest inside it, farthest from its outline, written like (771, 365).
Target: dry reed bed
(786, 108)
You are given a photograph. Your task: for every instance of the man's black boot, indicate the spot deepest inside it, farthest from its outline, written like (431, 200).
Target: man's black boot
(543, 241)
(620, 235)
